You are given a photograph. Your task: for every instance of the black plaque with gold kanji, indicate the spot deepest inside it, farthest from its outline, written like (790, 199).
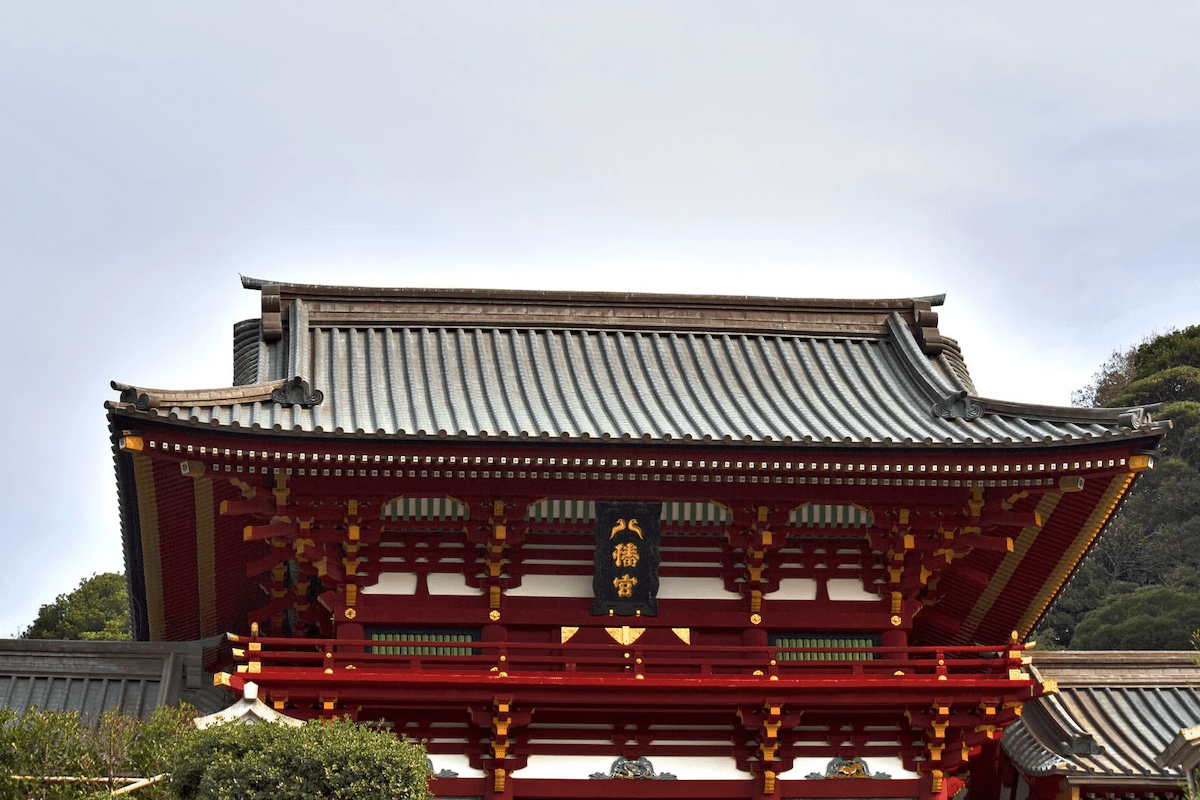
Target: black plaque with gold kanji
(626, 578)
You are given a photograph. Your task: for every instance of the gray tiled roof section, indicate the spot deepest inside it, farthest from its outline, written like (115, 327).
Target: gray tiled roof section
(90, 696)
(1104, 730)
(620, 384)
(90, 678)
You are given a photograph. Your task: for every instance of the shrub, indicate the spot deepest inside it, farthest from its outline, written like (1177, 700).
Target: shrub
(337, 760)
(43, 744)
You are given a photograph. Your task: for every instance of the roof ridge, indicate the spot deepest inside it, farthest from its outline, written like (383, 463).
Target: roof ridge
(585, 296)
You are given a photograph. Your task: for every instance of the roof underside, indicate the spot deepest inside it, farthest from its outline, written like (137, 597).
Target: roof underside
(833, 375)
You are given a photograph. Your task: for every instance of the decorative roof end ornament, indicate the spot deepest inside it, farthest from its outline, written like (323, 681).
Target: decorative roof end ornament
(1134, 418)
(296, 392)
(141, 400)
(957, 406)
(272, 319)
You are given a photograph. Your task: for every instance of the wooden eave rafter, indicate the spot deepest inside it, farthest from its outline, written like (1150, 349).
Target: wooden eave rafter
(827, 466)
(753, 476)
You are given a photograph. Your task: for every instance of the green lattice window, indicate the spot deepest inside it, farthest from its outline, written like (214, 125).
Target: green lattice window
(826, 640)
(439, 635)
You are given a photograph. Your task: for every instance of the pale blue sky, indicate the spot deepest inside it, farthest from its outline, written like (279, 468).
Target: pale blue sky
(1035, 161)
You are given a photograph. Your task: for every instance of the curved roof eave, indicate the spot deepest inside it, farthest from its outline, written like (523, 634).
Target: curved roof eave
(873, 390)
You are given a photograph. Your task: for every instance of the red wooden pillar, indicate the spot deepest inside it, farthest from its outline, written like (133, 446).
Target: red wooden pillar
(935, 785)
(985, 773)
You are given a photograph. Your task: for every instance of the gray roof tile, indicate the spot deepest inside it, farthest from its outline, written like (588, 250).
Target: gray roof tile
(133, 678)
(749, 379)
(1113, 715)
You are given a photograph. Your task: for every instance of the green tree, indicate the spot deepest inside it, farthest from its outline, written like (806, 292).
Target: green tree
(1159, 617)
(97, 609)
(1151, 549)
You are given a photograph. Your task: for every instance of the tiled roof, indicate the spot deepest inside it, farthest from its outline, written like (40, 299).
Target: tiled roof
(416, 363)
(1113, 716)
(93, 677)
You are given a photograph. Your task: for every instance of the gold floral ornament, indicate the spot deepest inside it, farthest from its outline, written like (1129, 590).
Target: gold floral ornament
(622, 525)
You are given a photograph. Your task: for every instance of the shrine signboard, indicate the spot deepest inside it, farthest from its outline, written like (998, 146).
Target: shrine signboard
(625, 581)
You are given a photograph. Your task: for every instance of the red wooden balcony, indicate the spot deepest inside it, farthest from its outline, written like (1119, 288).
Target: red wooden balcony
(636, 661)
(589, 675)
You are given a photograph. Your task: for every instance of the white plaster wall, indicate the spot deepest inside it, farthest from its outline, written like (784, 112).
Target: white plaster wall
(456, 763)
(848, 589)
(686, 768)
(405, 583)
(795, 589)
(692, 589)
(455, 585)
(553, 586)
(450, 584)
(889, 765)
(393, 583)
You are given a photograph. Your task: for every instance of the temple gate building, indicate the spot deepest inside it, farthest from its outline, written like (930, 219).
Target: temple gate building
(621, 545)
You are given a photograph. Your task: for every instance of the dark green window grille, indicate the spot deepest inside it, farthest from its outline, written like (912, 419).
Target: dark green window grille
(440, 636)
(827, 640)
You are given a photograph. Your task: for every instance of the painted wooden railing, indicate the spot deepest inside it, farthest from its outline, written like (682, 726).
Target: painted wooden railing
(524, 658)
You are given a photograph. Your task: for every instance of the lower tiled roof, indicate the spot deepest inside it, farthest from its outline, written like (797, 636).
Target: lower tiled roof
(90, 678)
(1113, 716)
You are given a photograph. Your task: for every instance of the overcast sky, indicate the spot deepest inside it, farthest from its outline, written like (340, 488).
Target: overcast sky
(1036, 161)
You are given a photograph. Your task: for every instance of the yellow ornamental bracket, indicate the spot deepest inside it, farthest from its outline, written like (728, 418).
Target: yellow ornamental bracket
(1141, 462)
(976, 501)
(132, 444)
(1070, 483)
(192, 469)
(1012, 500)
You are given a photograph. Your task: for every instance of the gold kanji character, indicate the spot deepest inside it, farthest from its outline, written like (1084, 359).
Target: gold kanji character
(624, 585)
(626, 555)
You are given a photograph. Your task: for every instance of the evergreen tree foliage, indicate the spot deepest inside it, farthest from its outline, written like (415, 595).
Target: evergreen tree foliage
(97, 609)
(1139, 587)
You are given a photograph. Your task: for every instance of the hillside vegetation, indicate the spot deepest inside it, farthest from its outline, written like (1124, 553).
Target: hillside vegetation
(1139, 587)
